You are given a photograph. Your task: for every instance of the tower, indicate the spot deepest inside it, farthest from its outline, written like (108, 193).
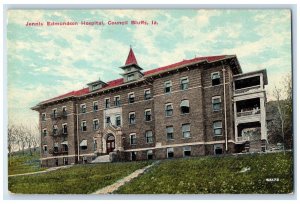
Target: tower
(132, 71)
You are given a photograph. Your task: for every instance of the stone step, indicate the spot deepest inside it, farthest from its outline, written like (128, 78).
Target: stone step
(101, 159)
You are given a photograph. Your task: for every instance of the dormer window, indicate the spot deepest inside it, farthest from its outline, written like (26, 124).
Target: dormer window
(93, 86)
(130, 77)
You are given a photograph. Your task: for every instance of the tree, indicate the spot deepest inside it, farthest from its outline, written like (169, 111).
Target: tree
(284, 107)
(11, 139)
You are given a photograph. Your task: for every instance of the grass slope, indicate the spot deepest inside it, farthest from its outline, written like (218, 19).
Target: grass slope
(19, 163)
(214, 175)
(79, 179)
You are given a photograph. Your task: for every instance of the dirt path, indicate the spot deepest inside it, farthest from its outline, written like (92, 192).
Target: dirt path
(113, 187)
(41, 172)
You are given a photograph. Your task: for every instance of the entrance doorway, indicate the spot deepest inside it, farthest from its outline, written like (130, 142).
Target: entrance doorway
(110, 144)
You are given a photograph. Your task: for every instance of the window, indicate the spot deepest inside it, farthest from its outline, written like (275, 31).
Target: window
(54, 113)
(186, 130)
(170, 132)
(56, 162)
(83, 145)
(184, 83)
(185, 106)
(45, 149)
(83, 108)
(149, 136)
(168, 87)
(133, 139)
(65, 128)
(96, 86)
(55, 130)
(95, 145)
(218, 149)
(147, 94)
(215, 78)
(107, 103)
(64, 111)
(65, 146)
(55, 148)
(83, 126)
(117, 101)
(170, 152)
(95, 105)
(149, 154)
(148, 115)
(169, 109)
(118, 120)
(107, 120)
(44, 132)
(96, 124)
(43, 116)
(65, 160)
(130, 77)
(131, 98)
(132, 118)
(133, 156)
(187, 151)
(216, 103)
(217, 128)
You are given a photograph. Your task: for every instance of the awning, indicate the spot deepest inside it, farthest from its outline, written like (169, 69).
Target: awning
(83, 143)
(64, 143)
(185, 103)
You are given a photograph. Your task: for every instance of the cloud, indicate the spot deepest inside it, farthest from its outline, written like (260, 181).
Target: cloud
(260, 40)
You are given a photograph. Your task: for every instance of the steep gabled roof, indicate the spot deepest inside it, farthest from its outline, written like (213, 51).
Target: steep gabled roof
(131, 59)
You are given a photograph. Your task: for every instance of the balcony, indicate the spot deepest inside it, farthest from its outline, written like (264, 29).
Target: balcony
(248, 113)
(243, 139)
(250, 89)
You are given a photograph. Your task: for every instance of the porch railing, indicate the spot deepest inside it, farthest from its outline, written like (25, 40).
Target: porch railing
(247, 113)
(247, 89)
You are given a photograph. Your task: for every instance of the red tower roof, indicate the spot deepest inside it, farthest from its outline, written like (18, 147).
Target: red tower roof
(131, 58)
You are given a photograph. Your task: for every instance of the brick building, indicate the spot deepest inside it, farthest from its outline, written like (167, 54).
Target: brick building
(200, 106)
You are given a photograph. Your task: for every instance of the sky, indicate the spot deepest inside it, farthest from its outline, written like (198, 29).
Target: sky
(47, 61)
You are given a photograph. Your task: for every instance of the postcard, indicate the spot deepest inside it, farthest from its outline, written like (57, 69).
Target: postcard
(145, 101)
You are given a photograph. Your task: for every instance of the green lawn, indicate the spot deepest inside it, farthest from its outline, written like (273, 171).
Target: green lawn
(19, 163)
(79, 179)
(214, 175)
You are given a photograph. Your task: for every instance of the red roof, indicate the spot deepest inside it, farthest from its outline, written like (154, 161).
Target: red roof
(120, 81)
(131, 58)
(184, 62)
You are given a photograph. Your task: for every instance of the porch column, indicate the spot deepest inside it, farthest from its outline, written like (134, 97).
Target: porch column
(235, 122)
(263, 119)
